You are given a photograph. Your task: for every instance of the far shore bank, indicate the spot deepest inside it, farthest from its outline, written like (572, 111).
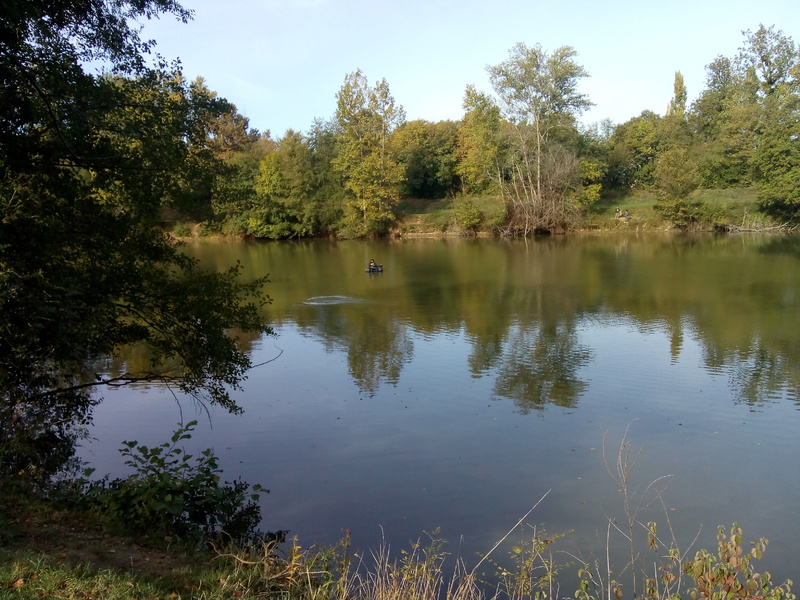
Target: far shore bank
(733, 210)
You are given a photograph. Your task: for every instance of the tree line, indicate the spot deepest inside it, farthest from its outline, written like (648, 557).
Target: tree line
(521, 143)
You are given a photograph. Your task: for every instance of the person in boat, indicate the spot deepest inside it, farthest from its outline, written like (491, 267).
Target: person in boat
(372, 264)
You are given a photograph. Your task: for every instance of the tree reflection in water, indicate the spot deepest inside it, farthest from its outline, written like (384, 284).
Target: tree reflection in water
(540, 367)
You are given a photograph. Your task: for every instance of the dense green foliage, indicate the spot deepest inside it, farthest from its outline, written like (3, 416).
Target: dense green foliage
(169, 494)
(88, 161)
(366, 116)
(363, 171)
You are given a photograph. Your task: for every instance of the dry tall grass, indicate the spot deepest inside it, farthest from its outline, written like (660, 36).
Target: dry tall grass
(659, 571)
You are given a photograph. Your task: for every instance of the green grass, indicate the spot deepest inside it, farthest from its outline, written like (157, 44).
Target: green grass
(640, 205)
(53, 551)
(47, 551)
(714, 209)
(418, 216)
(736, 207)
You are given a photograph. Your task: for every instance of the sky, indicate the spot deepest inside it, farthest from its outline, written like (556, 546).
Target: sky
(281, 62)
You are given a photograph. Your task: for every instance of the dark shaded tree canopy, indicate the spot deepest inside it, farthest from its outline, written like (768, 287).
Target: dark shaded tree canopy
(87, 161)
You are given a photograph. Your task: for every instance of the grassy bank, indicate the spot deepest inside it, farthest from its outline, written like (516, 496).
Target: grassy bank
(730, 209)
(49, 550)
(711, 210)
(722, 209)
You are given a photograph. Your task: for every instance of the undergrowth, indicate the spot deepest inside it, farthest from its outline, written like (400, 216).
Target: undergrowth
(173, 494)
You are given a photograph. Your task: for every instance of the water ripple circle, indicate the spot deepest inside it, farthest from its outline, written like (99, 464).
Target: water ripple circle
(325, 300)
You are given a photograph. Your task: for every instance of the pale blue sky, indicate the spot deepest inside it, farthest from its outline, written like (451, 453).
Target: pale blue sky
(282, 61)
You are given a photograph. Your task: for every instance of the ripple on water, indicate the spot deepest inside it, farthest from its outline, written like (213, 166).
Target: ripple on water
(324, 300)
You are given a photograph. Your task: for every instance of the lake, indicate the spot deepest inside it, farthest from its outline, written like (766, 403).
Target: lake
(473, 376)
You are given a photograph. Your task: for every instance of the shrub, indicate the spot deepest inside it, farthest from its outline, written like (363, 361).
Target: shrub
(468, 215)
(170, 494)
(181, 230)
(730, 574)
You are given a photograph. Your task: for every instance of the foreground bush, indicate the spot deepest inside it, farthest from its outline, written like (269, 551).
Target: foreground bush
(169, 494)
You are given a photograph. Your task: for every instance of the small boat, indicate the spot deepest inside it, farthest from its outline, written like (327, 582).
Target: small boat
(374, 269)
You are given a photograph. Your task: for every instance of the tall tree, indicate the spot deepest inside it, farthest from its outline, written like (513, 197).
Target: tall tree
(87, 160)
(770, 55)
(675, 172)
(366, 116)
(776, 160)
(539, 98)
(330, 195)
(284, 207)
(479, 146)
(677, 106)
(233, 191)
(633, 149)
(725, 118)
(774, 59)
(215, 133)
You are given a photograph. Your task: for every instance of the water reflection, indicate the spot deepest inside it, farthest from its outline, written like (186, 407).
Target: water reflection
(540, 367)
(519, 303)
(759, 376)
(413, 391)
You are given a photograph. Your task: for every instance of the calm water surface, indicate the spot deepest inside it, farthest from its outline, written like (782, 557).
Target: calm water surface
(471, 377)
